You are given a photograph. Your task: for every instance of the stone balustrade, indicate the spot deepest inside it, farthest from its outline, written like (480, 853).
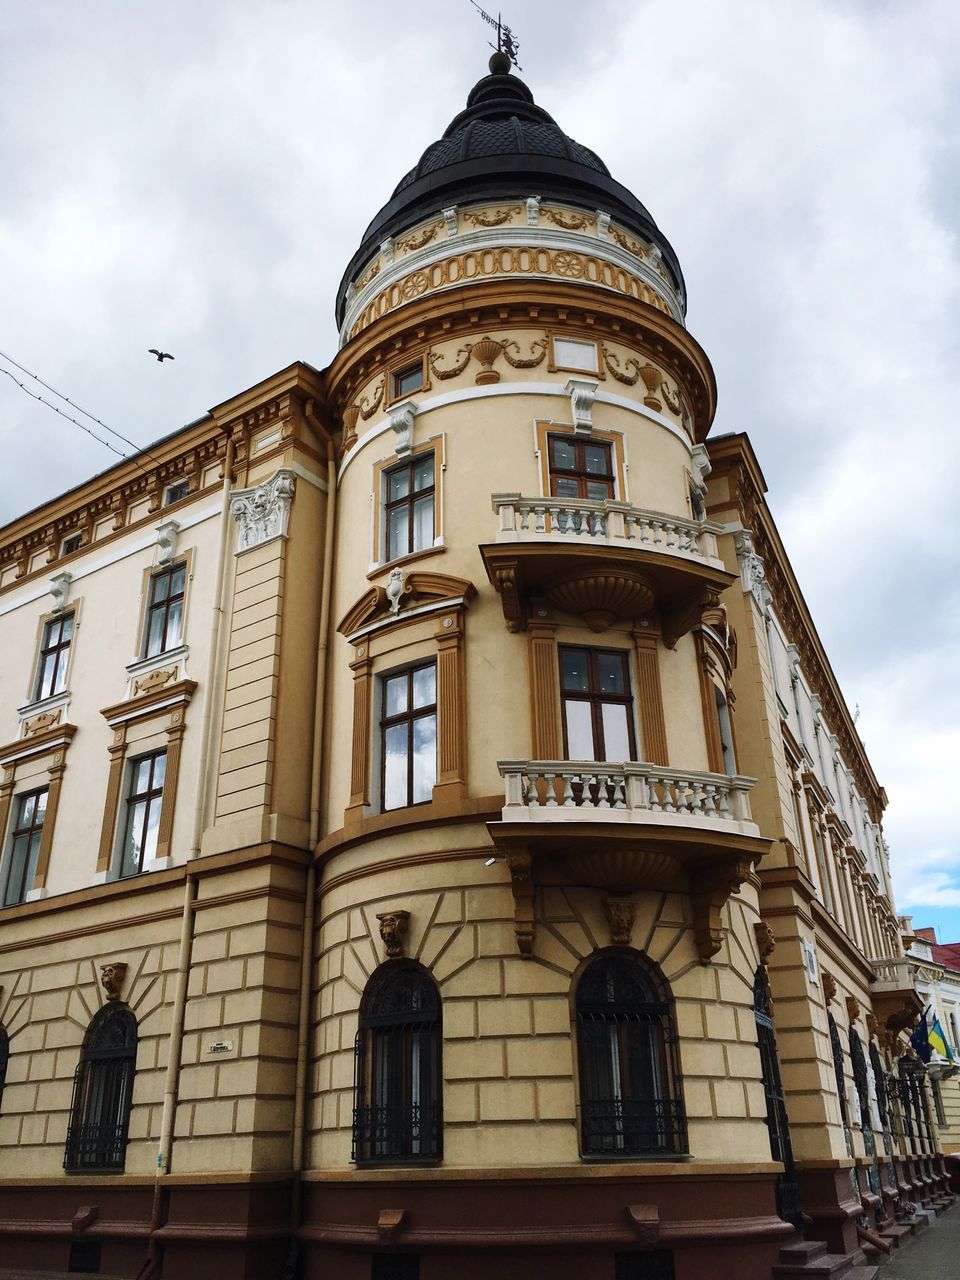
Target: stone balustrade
(564, 790)
(604, 522)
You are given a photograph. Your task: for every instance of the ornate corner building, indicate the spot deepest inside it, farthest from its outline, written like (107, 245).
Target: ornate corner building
(434, 840)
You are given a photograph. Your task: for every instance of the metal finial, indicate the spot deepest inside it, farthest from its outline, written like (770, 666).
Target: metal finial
(507, 45)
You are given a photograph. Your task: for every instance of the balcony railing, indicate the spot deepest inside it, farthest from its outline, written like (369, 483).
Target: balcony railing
(608, 523)
(592, 791)
(399, 1132)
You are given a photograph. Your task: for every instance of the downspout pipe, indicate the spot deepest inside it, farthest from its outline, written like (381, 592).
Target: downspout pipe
(191, 884)
(306, 955)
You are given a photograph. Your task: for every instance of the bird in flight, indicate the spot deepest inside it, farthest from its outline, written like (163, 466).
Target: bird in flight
(161, 355)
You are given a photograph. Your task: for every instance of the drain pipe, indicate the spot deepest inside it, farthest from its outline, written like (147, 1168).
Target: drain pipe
(306, 953)
(191, 884)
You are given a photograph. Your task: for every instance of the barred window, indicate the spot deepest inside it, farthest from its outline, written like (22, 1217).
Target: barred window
(103, 1093)
(630, 1096)
(397, 1112)
(4, 1058)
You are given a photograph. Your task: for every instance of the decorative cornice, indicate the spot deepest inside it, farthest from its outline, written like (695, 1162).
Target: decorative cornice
(379, 603)
(150, 702)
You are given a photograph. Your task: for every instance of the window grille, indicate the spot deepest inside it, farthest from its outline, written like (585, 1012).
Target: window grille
(778, 1128)
(397, 1114)
(103, 1093)
(630, 1101)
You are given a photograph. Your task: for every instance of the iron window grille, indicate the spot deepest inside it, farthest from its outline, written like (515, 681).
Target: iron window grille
(580, 468)
(103, 1093)
(645, 1264)
(861, 1080)
(164, 628)
(397, 1082)
(883, 1102)
(778, 1127)
(837, 1050)
(630, 1102)
(597, 705)
(409, 506)
(408, 743)
(25, 845)
(144, 803)
(4, 1058)
(54, 652)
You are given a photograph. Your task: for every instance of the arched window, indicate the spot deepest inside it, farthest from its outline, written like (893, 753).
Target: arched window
(103, 1092)
(630, 1101)
(397, 1113)
(4, 1058)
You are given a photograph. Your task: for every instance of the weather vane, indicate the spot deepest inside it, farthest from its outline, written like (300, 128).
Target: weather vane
(506, 41)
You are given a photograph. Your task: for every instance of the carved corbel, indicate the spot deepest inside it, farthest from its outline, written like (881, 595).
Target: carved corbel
(829, 986)
(582, 393)
(389, 1223)
(713, 889)
(60, 590)
(677, 622)
(853, 1008)
(873, 1026)
(393, 931)
(621, 914)
(765, 940)
(645, 1220)
(520, 866)
(506, 583)
(167, 541)
(401, 419)
(111, 978)
(603, 224)
(533, 210)
(450, 220)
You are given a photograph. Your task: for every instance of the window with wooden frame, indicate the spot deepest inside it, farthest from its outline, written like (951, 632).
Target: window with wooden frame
(407, 379)
(398, 1085)
(144, 802)
(25, 838)
(580, 468)
(103, 1093)
(630, 1087)
(54, 652)
(163, 629)
(597, 705)
(408, 744)
(409, 506)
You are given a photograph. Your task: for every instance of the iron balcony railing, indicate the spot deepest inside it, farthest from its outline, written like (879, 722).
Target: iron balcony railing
(615, 1126)
(95, 1146)
(405, 1132)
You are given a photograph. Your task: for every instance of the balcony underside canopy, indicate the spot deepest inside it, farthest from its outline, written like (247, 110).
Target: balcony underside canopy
(602, 584)
(623, 857)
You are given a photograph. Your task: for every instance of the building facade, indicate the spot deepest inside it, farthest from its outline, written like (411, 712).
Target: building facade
(434, 838)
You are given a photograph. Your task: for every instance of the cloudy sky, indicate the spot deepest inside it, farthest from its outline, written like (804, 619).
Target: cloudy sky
(195, 175)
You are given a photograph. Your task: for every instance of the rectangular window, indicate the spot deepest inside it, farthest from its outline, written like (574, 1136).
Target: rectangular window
(71, 544)
(165, 610)
(409, 506)
(142, 822)
(409, 736)
(25, 845)
(597, 705)
(175, 492)
(407, 380)
(580, 468)
(54, 651)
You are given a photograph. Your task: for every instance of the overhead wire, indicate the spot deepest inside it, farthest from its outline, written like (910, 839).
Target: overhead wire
(80, 409)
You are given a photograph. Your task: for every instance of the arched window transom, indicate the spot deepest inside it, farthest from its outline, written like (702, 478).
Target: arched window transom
(630, 1101)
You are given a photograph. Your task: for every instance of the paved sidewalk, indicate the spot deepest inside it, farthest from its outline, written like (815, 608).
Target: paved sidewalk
(932, 1255)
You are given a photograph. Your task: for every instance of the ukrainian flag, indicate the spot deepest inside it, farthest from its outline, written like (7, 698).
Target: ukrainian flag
(938, 1041)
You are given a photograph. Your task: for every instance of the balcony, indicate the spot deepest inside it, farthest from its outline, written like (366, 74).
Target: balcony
(893, 992)
(626, 827)
(602, 561)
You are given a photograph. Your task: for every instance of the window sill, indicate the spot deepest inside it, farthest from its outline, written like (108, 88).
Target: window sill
(143, 666)
(55, 702)
(378, 567)
(639, 1157)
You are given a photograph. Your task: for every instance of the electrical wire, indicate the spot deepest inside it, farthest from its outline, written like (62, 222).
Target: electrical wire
(106, 443)
(73, 404)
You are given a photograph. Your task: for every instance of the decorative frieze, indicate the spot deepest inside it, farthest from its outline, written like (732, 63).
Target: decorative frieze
(263, 512)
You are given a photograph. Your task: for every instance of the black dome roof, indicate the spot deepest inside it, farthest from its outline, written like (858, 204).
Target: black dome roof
(503, 146)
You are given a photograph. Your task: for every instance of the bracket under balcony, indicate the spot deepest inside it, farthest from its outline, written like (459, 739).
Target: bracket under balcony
(626, 827)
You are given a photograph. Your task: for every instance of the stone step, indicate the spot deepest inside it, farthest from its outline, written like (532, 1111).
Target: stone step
(895, 1232)
(861, 1273)
(838, 1266)
(802, 1251)
(17, 1273)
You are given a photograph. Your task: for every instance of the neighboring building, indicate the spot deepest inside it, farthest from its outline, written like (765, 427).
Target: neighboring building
(938, 985)
(433, 832)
